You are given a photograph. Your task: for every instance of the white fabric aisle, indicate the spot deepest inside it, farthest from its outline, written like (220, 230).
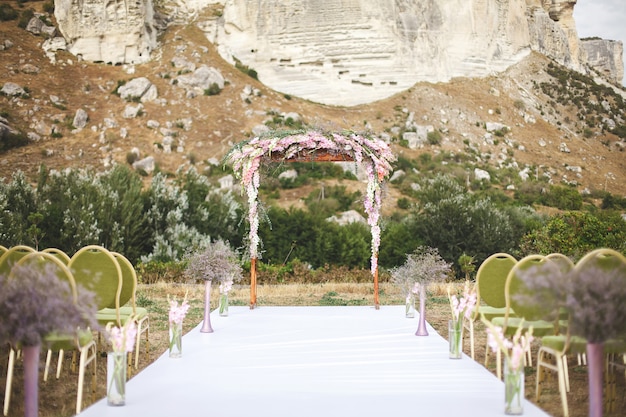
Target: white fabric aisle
(312, 361)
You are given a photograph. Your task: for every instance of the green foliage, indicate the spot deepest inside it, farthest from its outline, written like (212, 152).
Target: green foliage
(564, 198)
(48, 7)
(213, 90)
(331, 298)
(153, 272)
(7, 12)
(25, 18)
(11, 140)
(574, 233)
(17, 201)
(457, 222)
(298, 234)
(434, 137)
(76, 208)
(609, 201)
(467, 264)
(245, 69)
(330, 200)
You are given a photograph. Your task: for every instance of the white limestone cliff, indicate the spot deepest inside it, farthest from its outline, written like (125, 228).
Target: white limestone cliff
(357, 51)
(111, 31)
(606, 57)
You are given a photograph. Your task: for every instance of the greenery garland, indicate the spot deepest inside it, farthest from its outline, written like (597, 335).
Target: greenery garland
(246, 158)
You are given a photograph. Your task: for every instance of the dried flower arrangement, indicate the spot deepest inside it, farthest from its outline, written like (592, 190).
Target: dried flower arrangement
(35, 303)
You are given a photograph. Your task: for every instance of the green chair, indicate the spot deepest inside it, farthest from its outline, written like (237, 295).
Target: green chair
(95, 268)
(526, 315)
(8, 259)
(128, 306)
(554, 349)
(490, 281)
(82, 342)
(11, 256)
(63, 257)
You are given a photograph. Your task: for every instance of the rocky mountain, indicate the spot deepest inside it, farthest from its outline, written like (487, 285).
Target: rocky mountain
(188, 105)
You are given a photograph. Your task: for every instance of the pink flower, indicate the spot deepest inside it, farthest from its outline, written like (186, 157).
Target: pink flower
(178, 312)
(123, 338)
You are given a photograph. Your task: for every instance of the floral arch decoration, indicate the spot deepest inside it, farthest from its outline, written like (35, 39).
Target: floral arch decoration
(247, 156)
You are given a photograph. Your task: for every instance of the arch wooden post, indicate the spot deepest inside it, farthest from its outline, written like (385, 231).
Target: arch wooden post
(376, 300)
(252, 283)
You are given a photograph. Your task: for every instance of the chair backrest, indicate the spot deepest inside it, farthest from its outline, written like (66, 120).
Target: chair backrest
(96, 269)
(11, 256)
(63, 257)
(603, 258)
(491, 279)
(564, 262)
(516, 286)
(129, 279)
(46, 260)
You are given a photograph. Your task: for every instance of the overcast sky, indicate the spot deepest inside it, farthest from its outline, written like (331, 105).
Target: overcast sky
(603, 18)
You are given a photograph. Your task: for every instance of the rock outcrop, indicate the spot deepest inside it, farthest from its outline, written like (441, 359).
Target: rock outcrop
(605, 56)
(357, 51)
(112, 31)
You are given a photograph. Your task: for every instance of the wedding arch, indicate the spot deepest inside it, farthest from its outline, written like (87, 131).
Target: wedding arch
(247, 157)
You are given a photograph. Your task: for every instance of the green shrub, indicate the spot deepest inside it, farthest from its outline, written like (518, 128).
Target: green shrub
(434, 137)
(48, 7)
(213, 90)
(7, 12)
(25, 18)
(12, 140)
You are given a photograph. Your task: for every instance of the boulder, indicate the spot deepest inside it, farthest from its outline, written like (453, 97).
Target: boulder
(135, 88)
(80, 119)
(146, 165)
(12, 89)
(201, 79)
(481, 174)
(130, 111)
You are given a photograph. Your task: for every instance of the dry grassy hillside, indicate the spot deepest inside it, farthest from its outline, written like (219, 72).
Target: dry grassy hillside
(459, 109)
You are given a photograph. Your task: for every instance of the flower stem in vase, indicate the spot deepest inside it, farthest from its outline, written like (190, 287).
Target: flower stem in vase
(176, 340)
(206, 325)
(513, 390)
(223, 305)
(410, 306)
(421, 328)
(455, 338)
(116, 378)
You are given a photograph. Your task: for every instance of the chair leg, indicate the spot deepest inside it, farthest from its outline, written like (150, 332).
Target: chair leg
(562, 376)
(141, 328)
(60, 363)
(84, 360)
(539, 376)
(46, 369)
(566, 372)
(471, 332)
(7, 389)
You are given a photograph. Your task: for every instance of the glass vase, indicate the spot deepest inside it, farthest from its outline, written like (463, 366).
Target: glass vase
(176, 340)
(223, 308)
(455, 338)
(116, 378)
(513, 390)
(410, 306)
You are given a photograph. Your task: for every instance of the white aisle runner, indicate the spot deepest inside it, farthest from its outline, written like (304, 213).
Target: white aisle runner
(312, 361)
